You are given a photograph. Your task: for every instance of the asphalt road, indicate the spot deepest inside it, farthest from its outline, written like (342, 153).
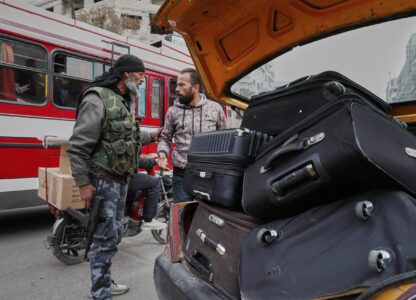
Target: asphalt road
(29, 271)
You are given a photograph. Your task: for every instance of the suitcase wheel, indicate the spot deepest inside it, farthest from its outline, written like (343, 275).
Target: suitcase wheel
(378, 259)
(364, 209)
(268, 236)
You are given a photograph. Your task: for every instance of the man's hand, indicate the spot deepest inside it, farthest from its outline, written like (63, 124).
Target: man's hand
(151, 155)
(158, 133)
(22, 89)
(162, 161)
(86, 193)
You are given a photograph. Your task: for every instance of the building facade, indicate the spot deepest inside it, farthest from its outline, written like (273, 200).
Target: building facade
(403, 88)
(130, 18)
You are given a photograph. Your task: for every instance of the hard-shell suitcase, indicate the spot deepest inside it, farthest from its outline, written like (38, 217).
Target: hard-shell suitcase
(334, 249)
(216, 164)
(344, 148)
(212, 246)
(275, 111)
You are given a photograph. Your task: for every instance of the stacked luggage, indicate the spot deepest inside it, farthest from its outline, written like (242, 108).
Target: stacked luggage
(326, 184)
(216, 164)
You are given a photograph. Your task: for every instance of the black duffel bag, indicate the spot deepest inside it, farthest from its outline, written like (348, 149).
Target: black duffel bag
(331, 250)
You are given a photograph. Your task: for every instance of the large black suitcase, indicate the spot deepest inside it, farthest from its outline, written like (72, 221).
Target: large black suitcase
(275, 111)
(344, 148)
(216, 164)
(340, 248)
(212, 246)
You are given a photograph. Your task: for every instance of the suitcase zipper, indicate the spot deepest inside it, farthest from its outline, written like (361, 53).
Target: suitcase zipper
(280, 139)
(317, 116)
(209, 166)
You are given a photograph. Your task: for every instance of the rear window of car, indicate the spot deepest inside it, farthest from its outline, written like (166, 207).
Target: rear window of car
(381, 58)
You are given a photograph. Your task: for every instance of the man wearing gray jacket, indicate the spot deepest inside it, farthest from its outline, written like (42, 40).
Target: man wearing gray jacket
(103, 151)
(191, 113)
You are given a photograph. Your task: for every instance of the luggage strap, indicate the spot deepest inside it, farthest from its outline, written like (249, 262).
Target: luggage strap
(290, 146)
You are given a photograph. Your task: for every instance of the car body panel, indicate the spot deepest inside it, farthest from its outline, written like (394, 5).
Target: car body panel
(228, 38)
(175, 281)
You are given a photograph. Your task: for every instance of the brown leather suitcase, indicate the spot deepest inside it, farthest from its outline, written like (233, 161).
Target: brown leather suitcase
(212, 246)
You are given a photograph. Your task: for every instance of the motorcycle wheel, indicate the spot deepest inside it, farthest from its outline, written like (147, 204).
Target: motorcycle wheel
(163, 216)
(69, 240)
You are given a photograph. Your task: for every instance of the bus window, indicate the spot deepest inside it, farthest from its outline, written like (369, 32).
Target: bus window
(98, 69)
(172, 91)
(22, 72)
(71, 75)
(80, 68)
(155, 98)
(141, 108)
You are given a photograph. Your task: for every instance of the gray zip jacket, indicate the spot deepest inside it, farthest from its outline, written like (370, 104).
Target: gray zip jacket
(182, 122)
(87, 134)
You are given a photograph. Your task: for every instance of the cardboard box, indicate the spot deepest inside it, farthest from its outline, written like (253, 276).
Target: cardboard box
(64, 162)
(62, 191)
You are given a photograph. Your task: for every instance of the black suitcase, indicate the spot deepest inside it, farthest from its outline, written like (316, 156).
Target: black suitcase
(341, 248)
(290, 104)
(216, 164)
(345, 148)
(212, 246)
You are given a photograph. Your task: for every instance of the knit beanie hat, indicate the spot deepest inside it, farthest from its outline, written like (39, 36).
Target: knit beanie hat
(128, 63)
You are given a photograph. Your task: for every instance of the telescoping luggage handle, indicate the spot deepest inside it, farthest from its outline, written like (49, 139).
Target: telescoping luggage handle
(290, 146)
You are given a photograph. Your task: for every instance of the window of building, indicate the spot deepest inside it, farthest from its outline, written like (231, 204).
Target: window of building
(22, 72)
(155, 98)
(50, 9)
(131, 22)
(71, 75)
(141, 107)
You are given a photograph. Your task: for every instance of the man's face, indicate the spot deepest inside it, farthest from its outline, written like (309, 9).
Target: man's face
(185, 89)
(138, 77)
(134, 80)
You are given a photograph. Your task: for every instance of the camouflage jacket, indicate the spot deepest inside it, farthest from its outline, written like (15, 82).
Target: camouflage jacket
(182, 122)
(87, 134)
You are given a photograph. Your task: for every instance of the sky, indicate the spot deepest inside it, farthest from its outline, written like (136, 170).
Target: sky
(370, 57)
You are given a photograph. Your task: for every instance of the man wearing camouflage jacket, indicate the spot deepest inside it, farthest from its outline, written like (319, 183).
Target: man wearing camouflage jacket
(103, 151)
(191, 113)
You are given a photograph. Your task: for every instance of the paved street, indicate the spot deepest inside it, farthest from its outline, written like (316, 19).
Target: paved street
(29, 271)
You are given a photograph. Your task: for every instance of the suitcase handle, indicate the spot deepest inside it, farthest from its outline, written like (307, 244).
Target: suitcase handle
(210, 242)
(291, 147)
(201, 264)
(306, 173)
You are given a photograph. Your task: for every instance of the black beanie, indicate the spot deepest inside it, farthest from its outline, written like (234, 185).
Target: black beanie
(128, 63)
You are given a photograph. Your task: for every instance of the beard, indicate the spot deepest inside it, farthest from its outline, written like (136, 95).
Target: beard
(186, 99)
(131, 86)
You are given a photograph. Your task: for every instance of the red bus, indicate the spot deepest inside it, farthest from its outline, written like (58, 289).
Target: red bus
(45, 61)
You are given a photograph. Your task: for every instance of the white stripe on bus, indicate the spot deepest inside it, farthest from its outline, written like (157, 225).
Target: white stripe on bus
(19, 184)
(21, 126)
